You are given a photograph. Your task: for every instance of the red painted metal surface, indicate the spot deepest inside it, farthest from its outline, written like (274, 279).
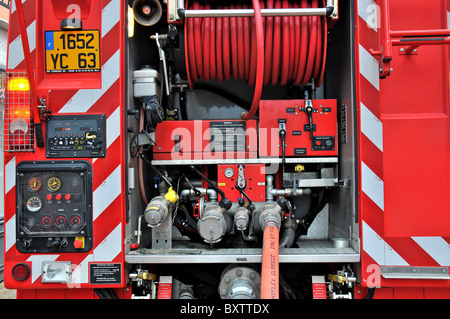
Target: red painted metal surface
(403, 152)
(191, 140)
(255, 180)
(298, 140)
(75, 97)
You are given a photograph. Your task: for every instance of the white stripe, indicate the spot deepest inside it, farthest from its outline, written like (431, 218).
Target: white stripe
(10, 175)
(379, 250)
(105, 252)
(13, 5)
(109, 248)
(113, 127)
(110, 16)
(36, 264)
(369, 67)
(368, 11)
(448, 19)
(107, 192)
(84, 99)
(372, 185)
(372, 127)
(10, 233)
(15, 51)
(436, 247)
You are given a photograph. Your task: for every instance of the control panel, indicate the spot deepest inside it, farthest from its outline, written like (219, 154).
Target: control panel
(54, 206)
(76, 136)
(249, 178)
(295, 128)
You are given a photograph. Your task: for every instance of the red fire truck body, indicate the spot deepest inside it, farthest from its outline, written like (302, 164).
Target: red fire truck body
(237, 150)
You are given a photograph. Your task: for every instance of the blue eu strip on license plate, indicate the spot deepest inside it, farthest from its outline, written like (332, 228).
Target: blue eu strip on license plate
(49, 41)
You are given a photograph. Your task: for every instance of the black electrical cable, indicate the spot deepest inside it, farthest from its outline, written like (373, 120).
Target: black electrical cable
(169, 184)
(106, 293)
(196, 191)
(250, 207)
(225, 202)
(370, 293)
(211, 184)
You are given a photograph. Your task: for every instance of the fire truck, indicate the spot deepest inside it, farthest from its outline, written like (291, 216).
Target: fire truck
(238, 149)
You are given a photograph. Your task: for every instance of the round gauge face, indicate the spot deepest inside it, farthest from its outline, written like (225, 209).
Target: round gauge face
(34, 184)
(34, 204)
(229, 172)
(53, 184)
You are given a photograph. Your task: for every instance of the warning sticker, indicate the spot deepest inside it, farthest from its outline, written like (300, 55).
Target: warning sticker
(102, 274)
(227, 136)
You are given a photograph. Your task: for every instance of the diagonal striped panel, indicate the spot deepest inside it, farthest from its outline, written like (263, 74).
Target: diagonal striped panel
(372, 185)
(436, 247)
(83, 100)
(108, 202)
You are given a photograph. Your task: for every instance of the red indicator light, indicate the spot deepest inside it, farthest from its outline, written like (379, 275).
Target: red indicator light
(21, 272)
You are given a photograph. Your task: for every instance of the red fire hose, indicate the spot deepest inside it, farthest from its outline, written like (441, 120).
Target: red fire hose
(270, 263)
(262, 51)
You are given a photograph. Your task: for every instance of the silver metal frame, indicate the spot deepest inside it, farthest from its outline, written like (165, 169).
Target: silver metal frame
(320, 251)
(214, 13)
(311, 160)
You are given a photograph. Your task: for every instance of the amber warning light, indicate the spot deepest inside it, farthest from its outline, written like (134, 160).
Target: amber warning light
(18, 119)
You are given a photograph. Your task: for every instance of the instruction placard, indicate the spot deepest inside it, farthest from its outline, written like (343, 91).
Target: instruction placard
(105, 273)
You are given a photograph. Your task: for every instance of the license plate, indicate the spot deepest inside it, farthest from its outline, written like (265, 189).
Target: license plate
(72, 51)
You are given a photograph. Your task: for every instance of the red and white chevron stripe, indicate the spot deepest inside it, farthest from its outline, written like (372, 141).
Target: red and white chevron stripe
(378, 248)
(108, 173)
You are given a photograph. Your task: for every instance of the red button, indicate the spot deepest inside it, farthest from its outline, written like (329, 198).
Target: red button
(58, 197)
(67, 197)
(78, 244)
(49, 197)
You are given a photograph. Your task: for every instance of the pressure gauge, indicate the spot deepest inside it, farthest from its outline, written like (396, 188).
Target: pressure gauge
(34, 184)
(53, 184)
(229, 172)
(34, 204)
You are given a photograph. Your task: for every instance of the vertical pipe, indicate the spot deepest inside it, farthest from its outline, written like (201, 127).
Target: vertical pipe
(270, 262)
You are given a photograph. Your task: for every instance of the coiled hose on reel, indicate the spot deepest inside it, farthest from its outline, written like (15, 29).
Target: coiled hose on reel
(261, 50)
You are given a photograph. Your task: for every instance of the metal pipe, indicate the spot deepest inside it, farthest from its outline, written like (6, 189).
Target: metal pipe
(269, 188)
(217, 13)
(203, 192)
(419, 42)
(290, 192)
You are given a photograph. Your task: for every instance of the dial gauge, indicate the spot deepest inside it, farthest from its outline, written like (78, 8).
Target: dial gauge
(34, 204)
(34, 184)
(53, 184)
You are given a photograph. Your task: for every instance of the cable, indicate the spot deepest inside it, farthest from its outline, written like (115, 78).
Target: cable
(370, 293)
(225, 202)
(169, 184)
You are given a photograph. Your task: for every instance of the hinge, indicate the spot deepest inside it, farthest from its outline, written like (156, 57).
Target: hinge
(344, 183)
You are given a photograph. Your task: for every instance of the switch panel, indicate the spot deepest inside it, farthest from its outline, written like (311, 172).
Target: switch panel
(54, 206)
(309, 128)
(76, 136)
